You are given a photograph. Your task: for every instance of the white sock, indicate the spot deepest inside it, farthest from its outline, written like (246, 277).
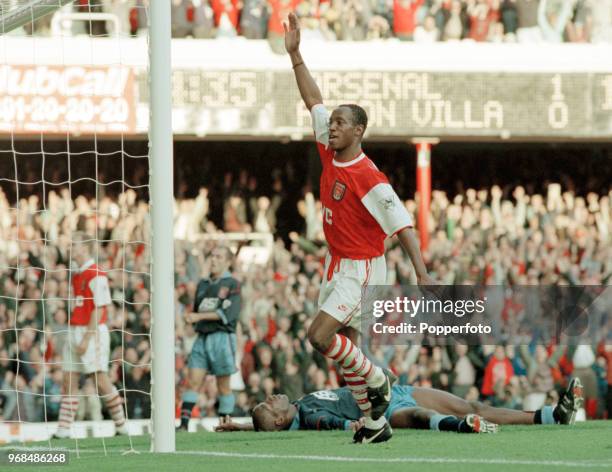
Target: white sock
(377, 377)
(371, 424)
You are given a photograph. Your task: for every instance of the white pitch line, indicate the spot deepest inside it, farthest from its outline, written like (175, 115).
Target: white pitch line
(432, 460)
(588, 463)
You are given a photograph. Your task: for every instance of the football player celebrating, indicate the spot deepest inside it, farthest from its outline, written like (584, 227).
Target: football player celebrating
(360, 209)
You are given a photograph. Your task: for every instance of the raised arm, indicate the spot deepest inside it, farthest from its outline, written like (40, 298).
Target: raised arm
(308, 88)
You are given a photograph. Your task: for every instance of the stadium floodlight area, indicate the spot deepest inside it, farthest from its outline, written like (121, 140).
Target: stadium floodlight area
(40, 156)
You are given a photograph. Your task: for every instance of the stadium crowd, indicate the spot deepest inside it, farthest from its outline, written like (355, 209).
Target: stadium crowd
(408, 20)
(494, 235)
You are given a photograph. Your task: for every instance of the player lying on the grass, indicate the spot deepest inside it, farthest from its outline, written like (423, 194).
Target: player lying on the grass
(410, 407)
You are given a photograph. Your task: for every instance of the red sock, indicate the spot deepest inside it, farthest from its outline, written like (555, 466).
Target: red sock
(358, 387)
(68, 410)
(114, 403)
(353, 361)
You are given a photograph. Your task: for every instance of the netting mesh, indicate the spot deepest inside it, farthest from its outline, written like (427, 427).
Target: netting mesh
(27, 13)
(8, 6)
(97, 18)
(67, 169)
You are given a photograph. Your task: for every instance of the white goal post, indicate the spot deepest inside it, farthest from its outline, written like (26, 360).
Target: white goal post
(17, 13)
(162, 264)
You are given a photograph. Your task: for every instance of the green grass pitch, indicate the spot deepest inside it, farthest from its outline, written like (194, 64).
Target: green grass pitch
(585, 446)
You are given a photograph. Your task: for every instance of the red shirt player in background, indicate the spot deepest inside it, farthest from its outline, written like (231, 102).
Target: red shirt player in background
(360, 210)
(88, 348)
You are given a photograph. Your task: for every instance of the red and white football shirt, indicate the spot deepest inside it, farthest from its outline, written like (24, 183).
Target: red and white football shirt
(90, 290)
(360, 208)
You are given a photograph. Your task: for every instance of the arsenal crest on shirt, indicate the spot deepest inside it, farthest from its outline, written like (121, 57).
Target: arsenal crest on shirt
(338, 190)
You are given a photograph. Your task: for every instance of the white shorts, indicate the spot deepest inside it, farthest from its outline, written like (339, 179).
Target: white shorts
(342, 296)
(97, 356)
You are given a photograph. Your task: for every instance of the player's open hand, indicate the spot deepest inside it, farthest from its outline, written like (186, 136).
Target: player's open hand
(226, 425)
(292, 33)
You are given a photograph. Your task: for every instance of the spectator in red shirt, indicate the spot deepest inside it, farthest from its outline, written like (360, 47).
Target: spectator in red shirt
(279, 10)
(482, 15)
(498, 369)
(404, 18)
(230, 7)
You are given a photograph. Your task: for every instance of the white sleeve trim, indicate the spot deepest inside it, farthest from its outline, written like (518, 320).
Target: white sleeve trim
(320, 123)
(387, 209)
(101, 291)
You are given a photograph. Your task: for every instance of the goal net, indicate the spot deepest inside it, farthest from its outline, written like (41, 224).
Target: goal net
(76, 281)
(18, 13)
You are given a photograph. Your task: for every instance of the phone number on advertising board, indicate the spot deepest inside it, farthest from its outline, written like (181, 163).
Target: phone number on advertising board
(72, 110)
